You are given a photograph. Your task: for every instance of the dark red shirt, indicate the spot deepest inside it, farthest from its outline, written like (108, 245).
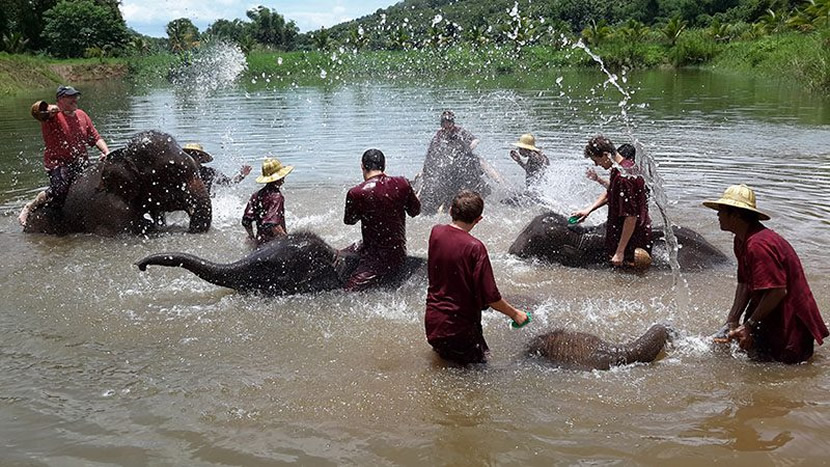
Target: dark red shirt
(267, 208)
(627, 197)
(66, 138)
(380, 204)
(767, 261)
(461, 284)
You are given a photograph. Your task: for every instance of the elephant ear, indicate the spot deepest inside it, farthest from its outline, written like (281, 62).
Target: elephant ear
(120, 176)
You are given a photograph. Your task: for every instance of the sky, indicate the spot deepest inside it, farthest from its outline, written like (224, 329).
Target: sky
(150, 17)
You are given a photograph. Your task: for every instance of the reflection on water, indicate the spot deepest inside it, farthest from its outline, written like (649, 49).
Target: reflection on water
(101, 363)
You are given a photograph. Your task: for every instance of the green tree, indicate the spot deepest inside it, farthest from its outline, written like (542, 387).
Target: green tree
(72, 27)
(673, 29)
(321, 39)
(230, 30)
(182, 35)
(269, 27)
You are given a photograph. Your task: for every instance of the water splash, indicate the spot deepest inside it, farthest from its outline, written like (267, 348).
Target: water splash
(212, 67)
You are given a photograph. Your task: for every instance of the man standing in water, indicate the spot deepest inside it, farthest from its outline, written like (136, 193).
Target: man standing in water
(380, 204)
(67, 131)
(629, 225)
(461, 284)
(781, 318)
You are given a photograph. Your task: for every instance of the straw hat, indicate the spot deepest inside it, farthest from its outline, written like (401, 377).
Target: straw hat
(196, 151)
(273, 170)
(642, 260)
(527, 141)
(738, 196)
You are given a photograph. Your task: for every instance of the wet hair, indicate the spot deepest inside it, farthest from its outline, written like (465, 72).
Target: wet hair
(448, 116)
(598, 145)
(467, 206)
(628, 151)
(373, 159)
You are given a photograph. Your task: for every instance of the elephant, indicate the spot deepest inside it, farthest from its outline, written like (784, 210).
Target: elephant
(582, 351)
(551, 238)
(128, 191)
(297, 263)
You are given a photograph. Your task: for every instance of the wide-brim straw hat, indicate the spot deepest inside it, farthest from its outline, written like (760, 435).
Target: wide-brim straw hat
(738, 196)
(273, 170)
(527, 141)
(196, 151)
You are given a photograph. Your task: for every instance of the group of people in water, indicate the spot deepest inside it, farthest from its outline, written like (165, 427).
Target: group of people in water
(781, 320)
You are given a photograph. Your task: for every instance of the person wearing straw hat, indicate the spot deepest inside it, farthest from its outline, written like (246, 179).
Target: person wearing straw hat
(781, 320)
(535, 163)
(629, 226)
(67, 131)
(380, 204)
(266, 207)
(209, 175)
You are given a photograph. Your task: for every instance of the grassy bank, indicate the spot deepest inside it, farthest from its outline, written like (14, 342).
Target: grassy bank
(19, 73)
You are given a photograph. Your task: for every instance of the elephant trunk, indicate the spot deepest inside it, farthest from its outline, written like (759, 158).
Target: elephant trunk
(199, 206)
(215, 273)
(648, 346)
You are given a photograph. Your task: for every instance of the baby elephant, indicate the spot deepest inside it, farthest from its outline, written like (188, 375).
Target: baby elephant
(583, 351)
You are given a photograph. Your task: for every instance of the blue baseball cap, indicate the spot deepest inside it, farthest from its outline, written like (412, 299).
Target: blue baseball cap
(66, 91)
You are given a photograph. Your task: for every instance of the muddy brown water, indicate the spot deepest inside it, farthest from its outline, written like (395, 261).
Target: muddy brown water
(103, 365)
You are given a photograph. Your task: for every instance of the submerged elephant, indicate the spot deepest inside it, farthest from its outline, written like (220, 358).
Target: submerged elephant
(583, 351)
(294, 264)
(127, 191)
(551, 238)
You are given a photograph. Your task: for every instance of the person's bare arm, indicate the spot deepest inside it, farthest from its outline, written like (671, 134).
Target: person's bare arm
(629, 224)
(102, 146)
(601, 201)
(505, 308)
(768, 300)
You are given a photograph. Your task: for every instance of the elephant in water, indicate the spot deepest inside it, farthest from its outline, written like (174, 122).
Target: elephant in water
(583, 351)
(551, 238)
(295, 264)
(126, 192)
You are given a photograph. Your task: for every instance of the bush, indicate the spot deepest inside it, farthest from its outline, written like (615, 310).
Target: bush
(693, 48)
(72, 27)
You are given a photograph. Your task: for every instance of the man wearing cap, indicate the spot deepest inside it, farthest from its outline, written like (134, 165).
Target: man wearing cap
(209, 175)
(67, 131)
(781, 318)
(536, 161)
(629, 226)
(380, 204)
(450, 165)
(266, 207)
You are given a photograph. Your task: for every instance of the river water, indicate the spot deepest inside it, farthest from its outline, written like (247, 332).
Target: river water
(103, 365)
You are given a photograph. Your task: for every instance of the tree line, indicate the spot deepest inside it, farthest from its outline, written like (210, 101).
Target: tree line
(85, 28)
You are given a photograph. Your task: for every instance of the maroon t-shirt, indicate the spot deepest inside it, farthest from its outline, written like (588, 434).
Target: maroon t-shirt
(380, 204)
(627, 197)
(767, 261)
(267, 208)
(66, 138)
(461, 284)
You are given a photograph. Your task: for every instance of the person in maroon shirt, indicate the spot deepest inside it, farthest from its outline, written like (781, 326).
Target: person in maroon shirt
(781, 318)
(629, 225)
(380, 204)
(266, 207)
(461, 285)
(67, 131)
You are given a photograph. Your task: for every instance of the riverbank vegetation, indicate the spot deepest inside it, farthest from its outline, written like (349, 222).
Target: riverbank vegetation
(787, 40)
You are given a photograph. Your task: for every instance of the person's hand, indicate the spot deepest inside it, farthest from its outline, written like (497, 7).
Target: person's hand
(582, 214)
(617, 259)
(53, 110)
(245, 170)
(521, 319)
(591, 174)
(515, 155)
(742, 335)
(102, 157)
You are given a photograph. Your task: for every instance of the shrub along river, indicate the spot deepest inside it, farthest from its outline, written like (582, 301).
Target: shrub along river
(102, 364)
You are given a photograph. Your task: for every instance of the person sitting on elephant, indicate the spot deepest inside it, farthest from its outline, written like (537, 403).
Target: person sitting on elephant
(781, 318)
(461, 285)
(628, 151)
(536, 162)
(450, 165)
(380, 204)
(629, 225)
(67, 131)
(266, 207)
(209, 175)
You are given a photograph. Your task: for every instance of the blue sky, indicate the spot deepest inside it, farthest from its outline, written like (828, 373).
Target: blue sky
(151, 16)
